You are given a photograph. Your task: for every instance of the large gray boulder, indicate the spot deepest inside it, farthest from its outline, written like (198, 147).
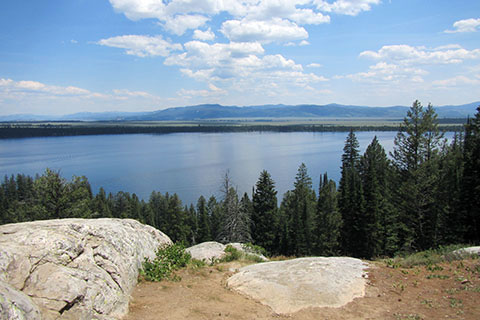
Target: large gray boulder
(468, 251)
(72, 268)
(293, 285)
(211, 251)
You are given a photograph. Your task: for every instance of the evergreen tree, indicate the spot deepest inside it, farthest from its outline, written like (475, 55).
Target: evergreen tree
(204, 233)
(264, 216)
(329, 220)
(351, 202)
(192, 222)
(300, 214)
(448, 199)
(215, 214)
(415, 156)
(380, 216)
(100, 207)
(471, 180)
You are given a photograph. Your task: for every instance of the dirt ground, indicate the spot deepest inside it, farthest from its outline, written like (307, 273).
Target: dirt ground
(444, 291)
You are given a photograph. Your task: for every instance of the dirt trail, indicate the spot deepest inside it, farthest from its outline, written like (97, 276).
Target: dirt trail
(447, 291)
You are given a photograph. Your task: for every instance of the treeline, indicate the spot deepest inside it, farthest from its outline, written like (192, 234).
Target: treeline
(24, 130)
(425, 194)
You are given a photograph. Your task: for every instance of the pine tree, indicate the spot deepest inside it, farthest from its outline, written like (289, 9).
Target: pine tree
(329, 220)
(100, 206)
(380, 216)
(300, 213)
(264, 216)
(351, 202)
(448, 199)
(204, 233)
(471, 180)
(415, 156)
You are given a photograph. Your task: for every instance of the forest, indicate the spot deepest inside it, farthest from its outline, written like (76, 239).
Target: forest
(424, 194)
(10, 130)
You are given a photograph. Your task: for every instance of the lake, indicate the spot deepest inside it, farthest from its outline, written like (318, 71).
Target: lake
(189, 164)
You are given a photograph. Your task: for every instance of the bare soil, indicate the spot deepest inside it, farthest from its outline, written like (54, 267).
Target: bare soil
(444, 291)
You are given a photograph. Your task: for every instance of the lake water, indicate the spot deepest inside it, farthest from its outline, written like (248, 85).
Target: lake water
(189, 164)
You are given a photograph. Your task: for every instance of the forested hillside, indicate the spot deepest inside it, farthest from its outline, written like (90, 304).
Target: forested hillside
(424, 194)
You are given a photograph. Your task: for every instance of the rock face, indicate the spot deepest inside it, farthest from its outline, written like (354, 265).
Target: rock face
(292, 285)
(211, 251)
(72, 268)
(469, 250)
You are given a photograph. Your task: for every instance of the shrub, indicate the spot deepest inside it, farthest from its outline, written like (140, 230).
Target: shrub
(167, 260)
(232, 254)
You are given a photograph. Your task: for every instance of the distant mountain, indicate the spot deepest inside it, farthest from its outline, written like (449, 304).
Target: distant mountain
(216, 111)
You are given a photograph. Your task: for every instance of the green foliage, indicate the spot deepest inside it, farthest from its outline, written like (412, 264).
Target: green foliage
(351, 201)
(168, 259)
(429, 258)
(329, 219)
(265, 213)
(232, 254)
(253, 248)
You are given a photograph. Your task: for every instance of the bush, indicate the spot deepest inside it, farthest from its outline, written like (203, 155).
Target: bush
(253, 248)
(427, 257)
(167, 260)
(232, 254)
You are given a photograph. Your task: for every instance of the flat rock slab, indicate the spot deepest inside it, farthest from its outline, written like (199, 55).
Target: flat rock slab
(293, 285)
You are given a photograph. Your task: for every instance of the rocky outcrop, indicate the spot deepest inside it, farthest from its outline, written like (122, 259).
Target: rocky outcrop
(292, 285)
(72, 268)
(468, 251)
(211, 251)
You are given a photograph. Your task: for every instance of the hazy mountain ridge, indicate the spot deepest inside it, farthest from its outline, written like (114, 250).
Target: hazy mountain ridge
(216, 111)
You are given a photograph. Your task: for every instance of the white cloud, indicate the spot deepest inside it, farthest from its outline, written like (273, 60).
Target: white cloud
(128, 93)
(207, 35)
(405, 54)
(21, 88)
(181, 23)
(240, 67)
(314, 65)
(467, 25)
(141, 46)
(460, 80)
(275, 30)
(347, 7)
(384, 72)
(212, 92)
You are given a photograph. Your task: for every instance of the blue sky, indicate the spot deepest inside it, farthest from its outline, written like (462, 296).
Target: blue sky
(66, 56)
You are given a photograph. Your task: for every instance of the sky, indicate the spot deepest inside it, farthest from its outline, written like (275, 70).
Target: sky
(68, 56)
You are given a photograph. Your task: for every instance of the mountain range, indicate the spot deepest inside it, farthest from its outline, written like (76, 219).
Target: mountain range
(216, 111)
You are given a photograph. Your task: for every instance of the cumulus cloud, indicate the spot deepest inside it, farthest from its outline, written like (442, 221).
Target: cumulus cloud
(207, 35)
(459, 80)
(406, 54)
(34, 87)
(277, 29)
(142, 46)
(467, 25)
(181, 23)
(385, 72)
(347, 7)
(240, 66)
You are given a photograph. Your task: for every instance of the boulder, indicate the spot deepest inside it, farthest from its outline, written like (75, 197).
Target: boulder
(73, 268)
(211, 251)
(293, 285)
(468, 251)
